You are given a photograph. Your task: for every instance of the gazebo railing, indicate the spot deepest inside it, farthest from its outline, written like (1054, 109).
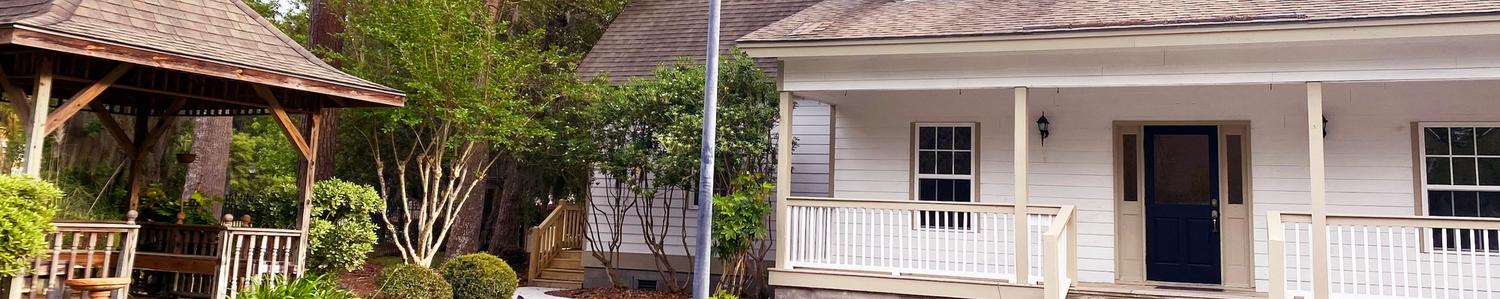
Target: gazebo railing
(81, 250)
(251, 254)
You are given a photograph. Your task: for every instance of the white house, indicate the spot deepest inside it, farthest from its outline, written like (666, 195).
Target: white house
(1317, 148)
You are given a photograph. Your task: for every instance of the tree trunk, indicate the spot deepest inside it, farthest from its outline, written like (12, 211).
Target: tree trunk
(505, 226)
(325, 23)
(468, 229)
(209, 172)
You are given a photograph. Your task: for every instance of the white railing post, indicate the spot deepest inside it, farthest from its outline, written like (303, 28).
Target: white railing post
(1277, 253)
(1319, 189)
(1058, 258)
(1021, 161)
(783, 180)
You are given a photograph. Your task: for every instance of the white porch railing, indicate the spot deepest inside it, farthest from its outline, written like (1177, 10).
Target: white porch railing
(1387, 256)
(78, 250)
(943, 239)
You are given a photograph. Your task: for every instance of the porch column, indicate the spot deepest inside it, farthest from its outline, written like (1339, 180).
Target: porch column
(1319, 190)
(1021, 163)
(783, 181)
(36, 131)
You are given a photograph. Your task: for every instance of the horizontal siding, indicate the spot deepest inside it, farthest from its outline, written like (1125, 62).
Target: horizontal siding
(810, 168)
(1368, 148)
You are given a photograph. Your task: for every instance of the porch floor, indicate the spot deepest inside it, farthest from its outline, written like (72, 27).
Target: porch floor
(1120, 291)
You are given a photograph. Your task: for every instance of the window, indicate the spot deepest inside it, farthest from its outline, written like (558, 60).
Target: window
(945, 170)
(1461, 175)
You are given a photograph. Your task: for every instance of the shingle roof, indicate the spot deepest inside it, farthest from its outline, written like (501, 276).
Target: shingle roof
(221, 31)
(651, 32)
(881, 19)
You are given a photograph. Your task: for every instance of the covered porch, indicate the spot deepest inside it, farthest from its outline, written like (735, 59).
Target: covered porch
(55, 64)
(1320, 182)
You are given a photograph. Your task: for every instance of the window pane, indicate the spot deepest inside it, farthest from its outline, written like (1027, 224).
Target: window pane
(927, 138)
(1437, 141)
(944, 162)
(1439, 172)
(1465, 203)
(1440, 203)
(1489, 171)
(1489, 141)
(962, 162)
(928, 189)
(944, 190)
(1131, 189)
(926, 162)
(1489, 204)
(961, 191)
(1463, 141)
(1464, 171)
(963, 138)
(1235, 169)
(945, 138)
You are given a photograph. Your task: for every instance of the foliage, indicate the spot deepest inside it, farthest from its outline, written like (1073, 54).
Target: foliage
(408, 281)
(740, 217)
(342, 233)
(26, 211)
(648, 137)
(474, 91)
(158, 206)
(480, 276)
(93, 193)
(288, 15)
(721, 294)
(308, 287)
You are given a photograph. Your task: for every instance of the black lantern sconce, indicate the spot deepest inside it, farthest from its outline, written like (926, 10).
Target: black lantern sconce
(1042, 127)
(1325, 126)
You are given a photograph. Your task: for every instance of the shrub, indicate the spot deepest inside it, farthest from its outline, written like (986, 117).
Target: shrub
(309, 287)
(26, 211)
(480, 276)
(407, 281)
(342, 233)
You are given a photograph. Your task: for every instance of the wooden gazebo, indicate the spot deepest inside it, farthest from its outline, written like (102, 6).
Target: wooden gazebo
(154, 62)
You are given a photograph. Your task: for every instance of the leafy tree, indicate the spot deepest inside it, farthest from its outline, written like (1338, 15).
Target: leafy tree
(26, 213)
(471, 91)
(288, 15)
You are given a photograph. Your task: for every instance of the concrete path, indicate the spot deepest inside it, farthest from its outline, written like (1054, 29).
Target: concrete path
(535, 293)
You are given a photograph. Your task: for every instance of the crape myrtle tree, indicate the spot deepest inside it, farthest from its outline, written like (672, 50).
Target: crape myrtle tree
(648, 136)
(470, 91)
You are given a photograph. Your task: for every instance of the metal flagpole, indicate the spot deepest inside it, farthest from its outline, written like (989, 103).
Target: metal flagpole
(706, 160)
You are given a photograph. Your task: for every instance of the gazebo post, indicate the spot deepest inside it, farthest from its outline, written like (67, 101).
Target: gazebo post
(305, 177)
(137, 149)
(36, 133)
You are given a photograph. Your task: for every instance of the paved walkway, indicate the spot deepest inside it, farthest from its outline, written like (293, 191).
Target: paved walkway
(535, 293)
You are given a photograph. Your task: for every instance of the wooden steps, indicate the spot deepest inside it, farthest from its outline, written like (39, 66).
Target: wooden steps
(564, 271)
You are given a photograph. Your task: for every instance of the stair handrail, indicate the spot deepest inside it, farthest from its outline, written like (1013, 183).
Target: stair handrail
(562, 229)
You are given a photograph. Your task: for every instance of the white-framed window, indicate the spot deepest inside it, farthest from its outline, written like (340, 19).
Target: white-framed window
(944, 167)
(1460, 176)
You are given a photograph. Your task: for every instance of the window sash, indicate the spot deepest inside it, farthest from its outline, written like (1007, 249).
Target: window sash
(1434, 241)
(937, 220)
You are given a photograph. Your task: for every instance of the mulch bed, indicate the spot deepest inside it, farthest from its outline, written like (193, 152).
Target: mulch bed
(362, 281)
(612, 293)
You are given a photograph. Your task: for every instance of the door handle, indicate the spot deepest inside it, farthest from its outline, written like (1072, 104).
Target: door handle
(1214, 215)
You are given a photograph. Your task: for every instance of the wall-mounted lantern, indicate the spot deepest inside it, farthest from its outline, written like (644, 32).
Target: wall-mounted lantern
(1042, 127)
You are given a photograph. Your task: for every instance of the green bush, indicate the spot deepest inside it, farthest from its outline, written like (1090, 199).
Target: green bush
(407, 281)
(27, 206)
(342, 232)
(310, 287)
(480, 276)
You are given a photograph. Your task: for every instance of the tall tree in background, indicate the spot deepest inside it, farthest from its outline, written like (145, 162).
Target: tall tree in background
(325, 24)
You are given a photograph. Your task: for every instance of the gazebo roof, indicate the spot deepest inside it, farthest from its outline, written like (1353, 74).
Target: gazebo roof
(197, 41)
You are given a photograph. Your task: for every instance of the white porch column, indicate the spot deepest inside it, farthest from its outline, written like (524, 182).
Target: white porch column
(36, 130)
(1319, 194)
(1021, 161)
(783, 181)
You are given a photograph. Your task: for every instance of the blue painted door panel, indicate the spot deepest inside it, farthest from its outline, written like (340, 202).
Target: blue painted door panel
(1182, 192)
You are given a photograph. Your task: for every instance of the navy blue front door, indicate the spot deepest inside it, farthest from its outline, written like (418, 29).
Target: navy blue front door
(1182, 192)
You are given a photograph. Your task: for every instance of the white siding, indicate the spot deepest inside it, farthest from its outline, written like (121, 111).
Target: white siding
(810, 127)
(1368, 151)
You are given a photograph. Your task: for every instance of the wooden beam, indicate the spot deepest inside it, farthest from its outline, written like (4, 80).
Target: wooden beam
(83, 98)
(16, 96)
(305, 182)
(113, 127)
(1021, 161)
(162, 126)
(1317, 176)
(35, 133)
(133, 175)
(286, 122)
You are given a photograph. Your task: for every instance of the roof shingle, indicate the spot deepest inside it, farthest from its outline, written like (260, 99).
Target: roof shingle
(651, 32)
(225, 31)
(883, 19)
